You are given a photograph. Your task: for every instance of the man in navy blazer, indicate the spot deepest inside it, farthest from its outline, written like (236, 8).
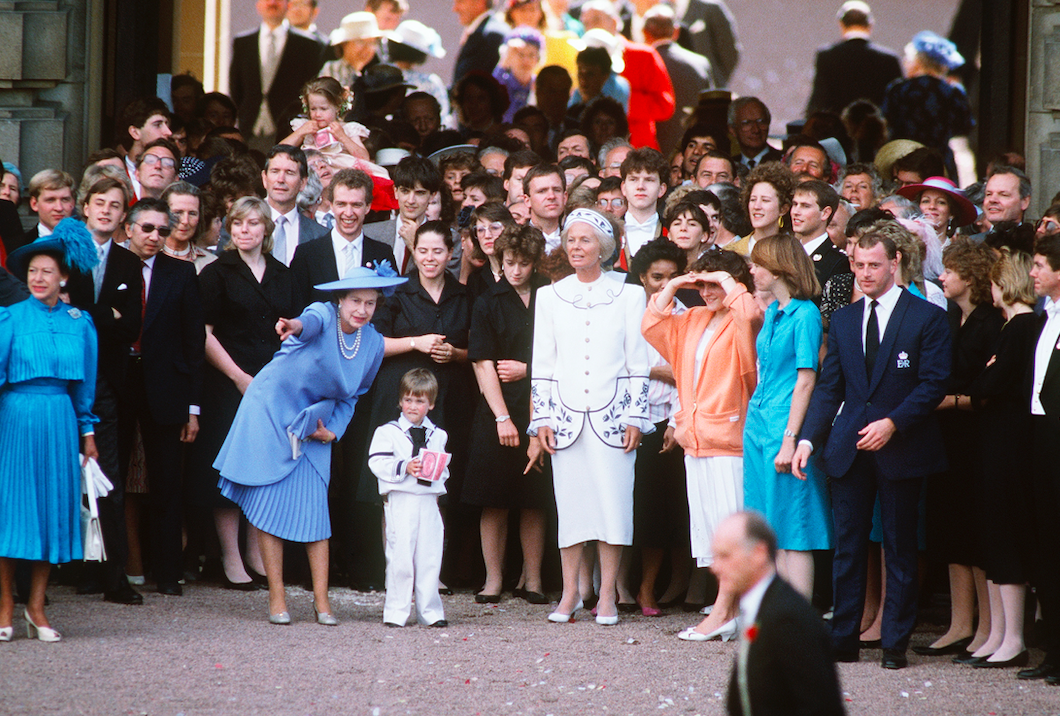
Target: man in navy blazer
(871, 421)
(329, 257)
(165, 379)
(483, 36)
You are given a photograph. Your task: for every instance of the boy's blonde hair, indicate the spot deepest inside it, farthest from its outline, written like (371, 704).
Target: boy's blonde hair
(419, 382)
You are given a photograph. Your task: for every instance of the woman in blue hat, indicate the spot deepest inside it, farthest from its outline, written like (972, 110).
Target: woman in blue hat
(47, 386)
(276, 461)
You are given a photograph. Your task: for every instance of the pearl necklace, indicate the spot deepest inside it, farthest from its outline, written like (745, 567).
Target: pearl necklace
(348, 352)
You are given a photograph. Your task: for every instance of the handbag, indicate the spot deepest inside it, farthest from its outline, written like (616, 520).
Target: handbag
(94, 484)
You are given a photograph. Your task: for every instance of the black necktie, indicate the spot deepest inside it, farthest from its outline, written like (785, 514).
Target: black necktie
(872, 339)
(419, 441)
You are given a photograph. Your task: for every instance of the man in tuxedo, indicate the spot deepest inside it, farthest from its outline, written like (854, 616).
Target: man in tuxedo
(853, 68)
(689, 72)
(51, 197)
(784, 662)
(749, 120)
(165, 380)
(332, 256)
(286, 173)
(812, 208)
(111, 295)
(269, 67)
(887, 365)
(1045, 478)
(482, 39)
(415, 180)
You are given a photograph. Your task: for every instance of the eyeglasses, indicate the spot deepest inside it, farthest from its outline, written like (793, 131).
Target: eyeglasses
(494, 229)
(1047, 224)
(152, 159)
(762, 122)
(613, 203)
(163, 231)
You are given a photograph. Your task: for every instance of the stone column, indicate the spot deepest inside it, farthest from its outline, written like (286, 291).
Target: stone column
(1043, 106)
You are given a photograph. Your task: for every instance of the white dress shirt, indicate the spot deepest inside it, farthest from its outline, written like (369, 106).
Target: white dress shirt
(290, 229)
(347, 253)
(812, 246)
(1043, 351)
(884, 309)
(130, 169)
(751, 601)
(103, 251)
(638, 234)
(280, 33)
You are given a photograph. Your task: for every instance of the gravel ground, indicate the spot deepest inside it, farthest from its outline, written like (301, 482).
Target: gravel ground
(212, 652)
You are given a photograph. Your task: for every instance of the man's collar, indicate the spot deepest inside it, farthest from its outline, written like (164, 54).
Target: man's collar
(340, 242)
(631, 221)
(751, 601)
(284, 26)
(855, 34)
(292, 215)
(890, 297)
(814, 244)
(150, 261)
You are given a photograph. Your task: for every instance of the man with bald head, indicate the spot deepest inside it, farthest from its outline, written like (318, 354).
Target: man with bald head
(784, 663)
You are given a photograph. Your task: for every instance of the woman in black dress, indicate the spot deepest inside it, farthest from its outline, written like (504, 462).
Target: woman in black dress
(244, 293)
(975, 325)
(1004, 432)
(501, 338)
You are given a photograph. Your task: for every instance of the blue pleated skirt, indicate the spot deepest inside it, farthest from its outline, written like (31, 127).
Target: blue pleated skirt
(294, 509)
(40, 477)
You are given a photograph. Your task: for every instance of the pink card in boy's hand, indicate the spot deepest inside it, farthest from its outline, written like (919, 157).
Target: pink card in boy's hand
(432, 464)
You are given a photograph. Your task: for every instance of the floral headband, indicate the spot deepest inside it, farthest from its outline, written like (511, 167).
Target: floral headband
(344, 104)
(590, 217)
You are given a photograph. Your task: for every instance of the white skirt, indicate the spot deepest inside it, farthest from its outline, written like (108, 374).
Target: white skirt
(594, 492)
(715, 491)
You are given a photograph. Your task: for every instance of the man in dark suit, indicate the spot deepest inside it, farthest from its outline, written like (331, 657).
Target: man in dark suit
(482, 39)
(285, 175)
(11, 289)
(690, 73)
(887, 365)
(11, 234)
(416, 179)
(812, 209)
(784, 663)
(330, 257)
(709, 29)
(111, 295)
(1045, 478)
(749, 121)
(51, 198)
(269, 67)
(165, 380)
(853, 68)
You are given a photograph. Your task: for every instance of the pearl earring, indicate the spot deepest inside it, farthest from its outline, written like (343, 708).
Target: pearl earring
(62, 284)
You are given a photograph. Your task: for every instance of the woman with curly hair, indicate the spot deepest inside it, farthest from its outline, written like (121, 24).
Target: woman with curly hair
(767, 195)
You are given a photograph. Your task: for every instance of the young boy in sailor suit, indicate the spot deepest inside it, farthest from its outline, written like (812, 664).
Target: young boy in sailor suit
(412, 520)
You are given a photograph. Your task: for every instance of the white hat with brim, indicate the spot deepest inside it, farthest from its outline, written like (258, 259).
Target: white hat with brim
(598, 37)
(362, 277)
(419, 37)
(356, 26)
(891, 152)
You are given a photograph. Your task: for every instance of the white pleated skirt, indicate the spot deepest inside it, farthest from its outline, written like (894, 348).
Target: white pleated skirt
(715, 491)
(594, 492)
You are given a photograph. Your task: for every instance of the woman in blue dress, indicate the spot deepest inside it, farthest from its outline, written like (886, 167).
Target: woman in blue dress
(276, 461)
(788, 347)
(47, 386)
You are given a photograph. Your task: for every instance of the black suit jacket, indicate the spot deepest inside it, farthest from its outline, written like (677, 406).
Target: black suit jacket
(121, 291)
(1050, 392)
(301, 60)
(828, 261)
(709, 29)
(314, 263)
(790, 668)
(850, 70)
(173, 343)
(11, 234)
(481, 51)
(11, 289)
(690, 73)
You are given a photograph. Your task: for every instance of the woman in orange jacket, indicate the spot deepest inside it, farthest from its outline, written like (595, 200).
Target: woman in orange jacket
(712, 351)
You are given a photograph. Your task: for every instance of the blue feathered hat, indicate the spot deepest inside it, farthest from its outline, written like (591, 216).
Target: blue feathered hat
(71, 239)
(384, 278)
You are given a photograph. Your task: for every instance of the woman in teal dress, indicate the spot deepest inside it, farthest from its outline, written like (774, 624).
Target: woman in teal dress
(47, 387)
(276, 461)
(788, 347)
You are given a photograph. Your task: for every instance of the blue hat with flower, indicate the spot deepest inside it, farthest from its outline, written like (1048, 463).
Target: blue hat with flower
(938, 49)
(70, 238)
(384, 278)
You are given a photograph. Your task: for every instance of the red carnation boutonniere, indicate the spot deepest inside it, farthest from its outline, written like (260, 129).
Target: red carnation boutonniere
(751, 633)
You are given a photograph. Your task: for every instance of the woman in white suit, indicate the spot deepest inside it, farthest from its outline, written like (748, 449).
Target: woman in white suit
(589, 391)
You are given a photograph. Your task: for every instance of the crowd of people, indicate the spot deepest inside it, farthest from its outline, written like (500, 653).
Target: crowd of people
(616, 315)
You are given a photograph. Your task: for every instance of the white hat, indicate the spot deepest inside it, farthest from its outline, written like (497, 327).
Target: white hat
(356, 26)
(598, 37)
(419, 37)
(390, 156)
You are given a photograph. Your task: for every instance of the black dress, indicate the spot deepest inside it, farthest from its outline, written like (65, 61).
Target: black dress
(412, 312)
(502, 328)
(1005, 435)
(243, 314)
(951, 505)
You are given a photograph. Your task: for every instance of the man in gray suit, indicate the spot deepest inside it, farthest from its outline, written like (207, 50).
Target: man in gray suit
(709, 29)
(286, 173)
(689, 72)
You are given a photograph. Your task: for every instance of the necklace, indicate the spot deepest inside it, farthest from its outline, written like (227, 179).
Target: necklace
(348, 352)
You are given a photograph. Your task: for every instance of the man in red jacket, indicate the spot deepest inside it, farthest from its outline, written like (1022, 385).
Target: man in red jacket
(651, 97)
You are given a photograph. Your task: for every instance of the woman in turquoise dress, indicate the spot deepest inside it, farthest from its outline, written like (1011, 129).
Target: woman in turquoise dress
(276, 461)
(788, 347)
(47, 387)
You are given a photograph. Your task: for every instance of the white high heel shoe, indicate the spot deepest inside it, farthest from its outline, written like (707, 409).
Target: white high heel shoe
(558, 617)
(41, 633)
(726, 632)
(6, 633)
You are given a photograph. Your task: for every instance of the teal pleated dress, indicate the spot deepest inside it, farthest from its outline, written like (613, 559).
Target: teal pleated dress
(47, 387)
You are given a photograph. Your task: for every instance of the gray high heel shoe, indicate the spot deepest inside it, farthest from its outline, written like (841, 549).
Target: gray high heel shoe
(283, 619)
(326, 619)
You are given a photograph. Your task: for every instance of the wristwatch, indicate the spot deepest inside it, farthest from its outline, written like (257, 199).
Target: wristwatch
(502, 418)
(789, 434)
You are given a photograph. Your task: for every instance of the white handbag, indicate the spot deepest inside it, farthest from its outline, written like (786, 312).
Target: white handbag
(94, 484)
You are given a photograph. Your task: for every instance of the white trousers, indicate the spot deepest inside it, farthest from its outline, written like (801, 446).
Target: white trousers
(414, 535)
